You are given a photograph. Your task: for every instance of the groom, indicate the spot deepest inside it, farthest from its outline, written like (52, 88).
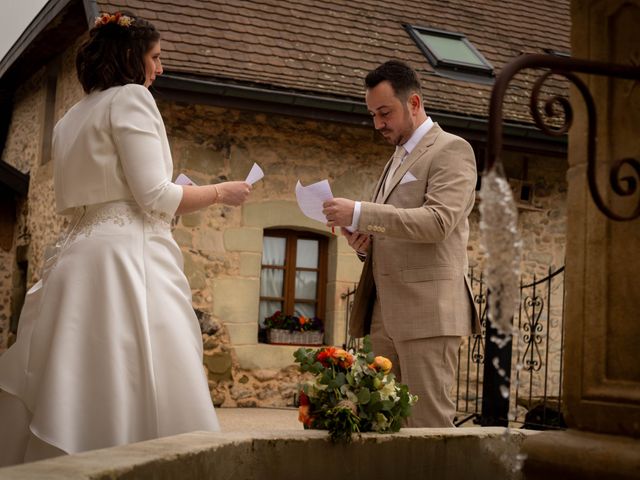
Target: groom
(413, 296)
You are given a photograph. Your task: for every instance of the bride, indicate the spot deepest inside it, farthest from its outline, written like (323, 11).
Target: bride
(109, 350)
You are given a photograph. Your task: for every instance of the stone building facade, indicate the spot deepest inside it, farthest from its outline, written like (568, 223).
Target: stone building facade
(222, 246)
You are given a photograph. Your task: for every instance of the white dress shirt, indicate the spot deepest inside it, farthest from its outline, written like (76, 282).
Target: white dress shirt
(409, 145)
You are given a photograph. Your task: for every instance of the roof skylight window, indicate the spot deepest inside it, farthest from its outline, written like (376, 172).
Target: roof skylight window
(451, 54)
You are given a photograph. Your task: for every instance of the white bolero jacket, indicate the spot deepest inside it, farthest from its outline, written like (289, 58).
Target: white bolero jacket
(112, 145)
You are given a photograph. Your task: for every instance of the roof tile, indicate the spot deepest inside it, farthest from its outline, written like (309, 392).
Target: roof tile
(328, 47)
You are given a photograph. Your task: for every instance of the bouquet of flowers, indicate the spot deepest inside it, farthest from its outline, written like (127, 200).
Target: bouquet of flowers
(280, 321)
(351, 393)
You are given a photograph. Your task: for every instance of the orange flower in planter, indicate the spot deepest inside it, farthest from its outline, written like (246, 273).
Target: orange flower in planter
(302, 321)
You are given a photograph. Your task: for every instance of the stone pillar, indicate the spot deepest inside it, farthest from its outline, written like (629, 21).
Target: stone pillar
(601, 384)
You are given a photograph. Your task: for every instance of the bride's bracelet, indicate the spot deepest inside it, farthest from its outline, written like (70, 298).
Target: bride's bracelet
(218, 195)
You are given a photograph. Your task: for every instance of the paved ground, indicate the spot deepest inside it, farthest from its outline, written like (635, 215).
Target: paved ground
(252, 419)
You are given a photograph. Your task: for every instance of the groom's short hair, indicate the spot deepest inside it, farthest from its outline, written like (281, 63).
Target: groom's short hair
(403, 79)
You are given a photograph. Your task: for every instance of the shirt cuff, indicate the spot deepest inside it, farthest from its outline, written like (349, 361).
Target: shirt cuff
(356, 217)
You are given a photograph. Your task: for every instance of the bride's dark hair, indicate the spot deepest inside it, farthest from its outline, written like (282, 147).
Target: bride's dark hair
(114, 53)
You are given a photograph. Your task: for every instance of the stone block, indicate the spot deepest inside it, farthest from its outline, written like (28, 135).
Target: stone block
(210, 240)
(243, 333)
(349, 268)
(192, 220)
(279, 213)
(243, 239)
(219, 365)
(572, 454)
(211, 342)
(266, 374)
(235, 300)
(343, 245)
(183, 238)
(250, 264)
(194, 273)
(262, 355)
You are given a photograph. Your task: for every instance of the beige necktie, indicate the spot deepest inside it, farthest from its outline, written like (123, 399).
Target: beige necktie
(398, 155)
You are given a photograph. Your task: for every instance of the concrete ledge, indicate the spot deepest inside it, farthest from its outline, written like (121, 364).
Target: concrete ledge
(464, 453)
(581, 455)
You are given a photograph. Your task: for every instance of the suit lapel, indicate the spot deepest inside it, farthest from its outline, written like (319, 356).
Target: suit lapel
(417, 152)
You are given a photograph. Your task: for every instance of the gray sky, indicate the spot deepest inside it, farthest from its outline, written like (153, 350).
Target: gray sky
(16, 17)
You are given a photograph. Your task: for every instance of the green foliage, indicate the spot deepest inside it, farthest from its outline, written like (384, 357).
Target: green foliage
(351, 392)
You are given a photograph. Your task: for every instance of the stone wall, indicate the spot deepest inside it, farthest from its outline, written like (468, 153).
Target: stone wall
(22, 151)
(222, 246)
(7, 259)
(37, 223)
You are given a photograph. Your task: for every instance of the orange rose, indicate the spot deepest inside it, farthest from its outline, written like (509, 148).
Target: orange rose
(303, 415)
(381, 364)
(326, 356)
(344, 358)
(303, 320)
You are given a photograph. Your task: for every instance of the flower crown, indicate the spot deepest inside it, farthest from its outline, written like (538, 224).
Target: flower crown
(117, 18)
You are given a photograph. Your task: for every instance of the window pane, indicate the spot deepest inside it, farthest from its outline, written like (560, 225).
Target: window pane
(305, 309)
(273, 250)
(267, 309)
(307, 253)
(306, 285)
(452, 49)
(271, 282)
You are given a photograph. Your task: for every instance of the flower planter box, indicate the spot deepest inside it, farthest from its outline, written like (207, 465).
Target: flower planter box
(285, 337)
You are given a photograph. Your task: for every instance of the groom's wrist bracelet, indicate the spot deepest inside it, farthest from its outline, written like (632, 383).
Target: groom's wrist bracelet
(218, 198)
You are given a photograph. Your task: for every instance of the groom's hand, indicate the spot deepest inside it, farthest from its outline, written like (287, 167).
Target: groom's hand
(360, 242)
(339, 212)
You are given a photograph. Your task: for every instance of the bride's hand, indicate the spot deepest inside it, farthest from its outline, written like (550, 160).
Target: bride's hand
(233, 193)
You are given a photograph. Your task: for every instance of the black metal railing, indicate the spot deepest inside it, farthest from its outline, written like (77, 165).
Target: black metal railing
(534, 359)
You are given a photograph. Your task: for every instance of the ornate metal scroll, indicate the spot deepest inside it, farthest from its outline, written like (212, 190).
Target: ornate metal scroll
(623, 186)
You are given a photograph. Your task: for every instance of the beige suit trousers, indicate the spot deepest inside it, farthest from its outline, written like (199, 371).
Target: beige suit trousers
(427, 366)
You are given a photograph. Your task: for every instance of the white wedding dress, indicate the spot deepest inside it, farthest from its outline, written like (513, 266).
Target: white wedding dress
(109, 349)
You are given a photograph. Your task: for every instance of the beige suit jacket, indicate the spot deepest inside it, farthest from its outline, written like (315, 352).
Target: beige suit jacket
(417, 266)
